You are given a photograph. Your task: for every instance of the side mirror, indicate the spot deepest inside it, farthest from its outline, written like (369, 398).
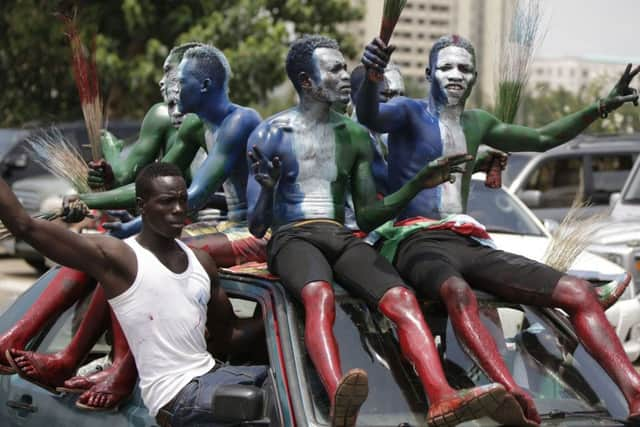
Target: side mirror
(531, 198)
(613, 199)
(551, 225)
(235, 403)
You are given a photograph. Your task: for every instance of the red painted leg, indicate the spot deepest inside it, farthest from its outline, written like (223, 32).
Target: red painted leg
(50, 370)
(115, 384)
(346, 393)
(462, 307)
(577, 298)
(63, 291)
(448, 407)
(227, 253)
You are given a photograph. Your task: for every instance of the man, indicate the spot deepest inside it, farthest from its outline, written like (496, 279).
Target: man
(139, 276)
(438, 253)
(303, 161)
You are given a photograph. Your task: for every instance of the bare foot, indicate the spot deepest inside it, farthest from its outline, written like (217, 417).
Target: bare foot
(609, 293)
(46, 370)
(466, 405)
(351, 393)
(110, 393)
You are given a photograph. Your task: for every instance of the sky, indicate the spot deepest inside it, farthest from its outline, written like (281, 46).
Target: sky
(592, 28)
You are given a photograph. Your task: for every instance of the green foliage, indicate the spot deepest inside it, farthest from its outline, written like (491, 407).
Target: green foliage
(134, 36)
(548, 105)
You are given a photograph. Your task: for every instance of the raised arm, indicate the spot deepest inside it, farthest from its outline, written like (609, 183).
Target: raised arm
(519, 138)
(93, 254)
(226, 154)
(264, 173)
(372, 212)
(379, 117)
(153, 135)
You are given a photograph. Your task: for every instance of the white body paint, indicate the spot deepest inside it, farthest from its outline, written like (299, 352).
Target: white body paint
(453, 142)
(314, 147)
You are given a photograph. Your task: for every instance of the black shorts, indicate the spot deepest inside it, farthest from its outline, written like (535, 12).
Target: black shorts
(427, 258)
(315, 251)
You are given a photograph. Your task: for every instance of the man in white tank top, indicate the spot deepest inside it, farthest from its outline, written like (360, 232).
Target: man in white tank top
(139, 275)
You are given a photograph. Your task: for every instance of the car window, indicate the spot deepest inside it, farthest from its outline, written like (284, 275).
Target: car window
(60, 334)
(515, 164)
(498, 211)
(558, 180)
(609, 174)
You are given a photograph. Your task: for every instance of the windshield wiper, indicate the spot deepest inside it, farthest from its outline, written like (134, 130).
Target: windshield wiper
(597, 414)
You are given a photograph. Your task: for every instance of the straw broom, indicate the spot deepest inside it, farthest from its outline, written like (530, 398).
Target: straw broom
(86, 77)
(518, 48)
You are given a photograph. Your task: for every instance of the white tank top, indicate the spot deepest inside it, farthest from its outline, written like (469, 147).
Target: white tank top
(163, 315)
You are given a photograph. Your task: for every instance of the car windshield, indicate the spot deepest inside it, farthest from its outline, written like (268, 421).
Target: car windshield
(543, 359)
(499, 211)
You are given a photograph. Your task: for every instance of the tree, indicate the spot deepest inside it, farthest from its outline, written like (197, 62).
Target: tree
(134, 36)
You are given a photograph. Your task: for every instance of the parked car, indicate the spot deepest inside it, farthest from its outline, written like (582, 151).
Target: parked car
(549, 182)
(539, 346)
(36, 188)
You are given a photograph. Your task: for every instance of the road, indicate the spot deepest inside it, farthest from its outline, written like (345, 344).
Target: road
(15, 277)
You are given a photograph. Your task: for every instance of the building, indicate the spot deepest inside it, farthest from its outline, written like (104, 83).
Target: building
(573, 73)
(423, 21)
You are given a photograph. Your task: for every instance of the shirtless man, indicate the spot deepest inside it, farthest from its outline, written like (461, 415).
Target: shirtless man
(140, 276)
(444, 256)
(303, 161)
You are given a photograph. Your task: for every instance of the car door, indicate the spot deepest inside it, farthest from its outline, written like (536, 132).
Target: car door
(23, 404)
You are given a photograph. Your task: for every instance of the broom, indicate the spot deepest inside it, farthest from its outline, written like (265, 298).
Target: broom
(518, 48)
(86, 77)
(390, 15)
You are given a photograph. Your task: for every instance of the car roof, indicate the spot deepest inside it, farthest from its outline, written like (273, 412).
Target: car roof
(597, 144)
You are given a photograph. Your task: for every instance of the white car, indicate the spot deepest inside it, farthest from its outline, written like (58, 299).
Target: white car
(516, 229)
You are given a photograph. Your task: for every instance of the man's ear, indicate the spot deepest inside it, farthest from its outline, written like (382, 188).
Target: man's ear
(427, 74)
(305, 80)
(206, 85)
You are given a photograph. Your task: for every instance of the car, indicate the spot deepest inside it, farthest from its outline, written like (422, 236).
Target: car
(539, 346)
(595, 166)
(40, 191)
(514, 228)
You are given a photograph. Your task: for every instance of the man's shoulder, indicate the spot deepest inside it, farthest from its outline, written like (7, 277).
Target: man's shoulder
(353, 127)
(244, 115)
(158, 116)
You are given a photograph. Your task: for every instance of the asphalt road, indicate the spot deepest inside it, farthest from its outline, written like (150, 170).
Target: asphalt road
(15, 277)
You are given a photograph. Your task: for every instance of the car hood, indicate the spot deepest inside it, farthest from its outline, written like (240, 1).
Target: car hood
(586, 265)
(618, 232)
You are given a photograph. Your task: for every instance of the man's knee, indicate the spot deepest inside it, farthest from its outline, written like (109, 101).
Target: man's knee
(573, 293)
(457, 294)
(318, 295)
(397, 300)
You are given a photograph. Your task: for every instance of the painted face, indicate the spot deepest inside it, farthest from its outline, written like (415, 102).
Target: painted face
(190, 87)
(393, 85)
(455, 74)
(170, 89)
(331, 82)
(165, 208)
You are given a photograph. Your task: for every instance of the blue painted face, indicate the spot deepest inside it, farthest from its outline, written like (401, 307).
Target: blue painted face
(190, 87)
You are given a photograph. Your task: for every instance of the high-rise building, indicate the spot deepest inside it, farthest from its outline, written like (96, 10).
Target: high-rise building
(422, 22)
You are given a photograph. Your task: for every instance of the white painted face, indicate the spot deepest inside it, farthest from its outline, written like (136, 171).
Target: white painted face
(331, 82)
(170, 89)
(455, 73)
